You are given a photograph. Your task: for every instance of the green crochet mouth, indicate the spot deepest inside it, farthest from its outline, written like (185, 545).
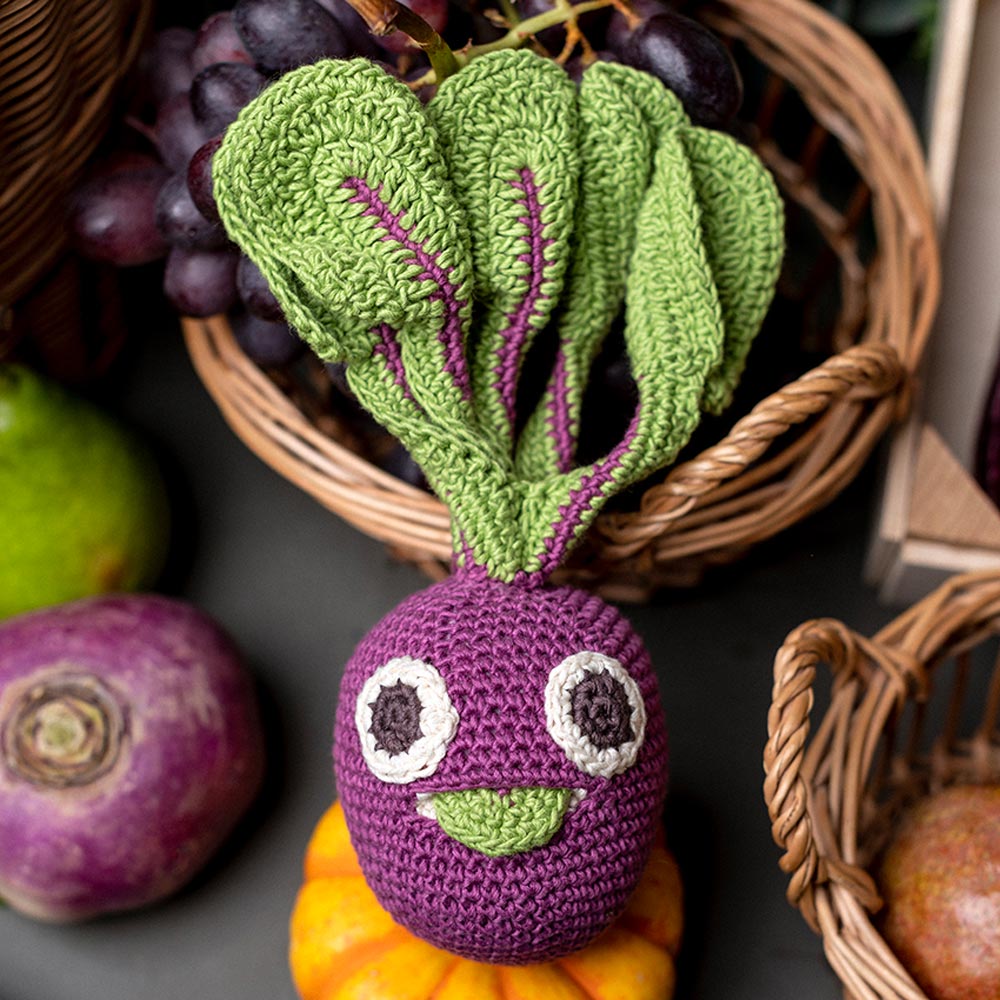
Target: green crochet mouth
(496, 824)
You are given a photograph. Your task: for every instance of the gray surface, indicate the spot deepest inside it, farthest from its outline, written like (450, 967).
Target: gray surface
(298, 588)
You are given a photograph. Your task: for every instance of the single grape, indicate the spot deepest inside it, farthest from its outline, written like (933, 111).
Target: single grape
(434, 12)
(112, 215)
(484, 30)
(218, 42)
(692, 62)
(264, 342)
(180, 222)
(359, 39)
(201, 282)
(283, 34)
(219, 91)
(177, 133)
(618, 34)
(199, 179)
(255, 293)
(165, 65)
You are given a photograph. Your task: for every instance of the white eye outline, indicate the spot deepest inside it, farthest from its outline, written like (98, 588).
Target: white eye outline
(438, 721)
(603, 762)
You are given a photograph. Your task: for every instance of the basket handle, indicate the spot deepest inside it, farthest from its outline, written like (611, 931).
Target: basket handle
(864, 371)
(786, 790)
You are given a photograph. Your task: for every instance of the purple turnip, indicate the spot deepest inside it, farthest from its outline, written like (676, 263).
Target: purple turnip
(131, 746)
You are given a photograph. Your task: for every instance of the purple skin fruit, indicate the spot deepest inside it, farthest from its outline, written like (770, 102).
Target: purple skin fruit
(494, 646)
(131, 746)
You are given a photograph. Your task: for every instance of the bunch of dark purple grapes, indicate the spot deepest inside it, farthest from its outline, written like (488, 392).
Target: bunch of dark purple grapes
(140, 206)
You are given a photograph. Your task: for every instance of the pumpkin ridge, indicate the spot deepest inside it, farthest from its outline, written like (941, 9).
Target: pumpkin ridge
(554, 968)
(357, 957)
(583, 988)
(618, 940)
(635, 926)
(448, 973)
(331, 867)
(503, 986)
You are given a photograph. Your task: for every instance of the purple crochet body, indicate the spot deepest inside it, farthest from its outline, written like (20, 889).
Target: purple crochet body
(495, 645)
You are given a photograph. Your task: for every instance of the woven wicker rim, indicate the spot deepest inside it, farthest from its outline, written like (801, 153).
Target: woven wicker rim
(817, 776)
(63, 61)
(712, 508)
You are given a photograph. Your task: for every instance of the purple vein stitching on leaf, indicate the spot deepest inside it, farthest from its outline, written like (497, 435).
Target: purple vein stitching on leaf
(388, 347)
(514, 335)
(470, 567)
(450, 334)
(558, 417)
(581, 499)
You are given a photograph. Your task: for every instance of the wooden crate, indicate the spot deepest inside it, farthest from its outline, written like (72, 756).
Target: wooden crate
(933, 519)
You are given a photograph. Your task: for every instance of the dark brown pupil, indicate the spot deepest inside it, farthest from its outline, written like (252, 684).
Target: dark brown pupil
(396, 718)
(602, 710)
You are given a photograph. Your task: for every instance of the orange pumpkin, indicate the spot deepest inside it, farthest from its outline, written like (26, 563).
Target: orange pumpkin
(344, 946)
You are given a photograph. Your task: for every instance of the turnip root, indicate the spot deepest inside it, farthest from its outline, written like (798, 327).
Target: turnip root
(131, 746)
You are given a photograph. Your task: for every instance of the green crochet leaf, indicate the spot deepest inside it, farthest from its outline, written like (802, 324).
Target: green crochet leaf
(742, 226)
(376, 223)
(508, 128)
(673, 336)
(616, 151)
(333, 183)
(742, 223)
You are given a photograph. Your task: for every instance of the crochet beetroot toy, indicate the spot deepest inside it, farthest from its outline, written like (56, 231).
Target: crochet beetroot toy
(500, 749)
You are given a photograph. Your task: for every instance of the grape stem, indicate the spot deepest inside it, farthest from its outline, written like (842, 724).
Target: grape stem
(522, 31)
(385, 16)
(631, 17)
(510, 12)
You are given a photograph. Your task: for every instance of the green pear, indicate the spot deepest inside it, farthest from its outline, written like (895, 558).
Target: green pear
(83, 507)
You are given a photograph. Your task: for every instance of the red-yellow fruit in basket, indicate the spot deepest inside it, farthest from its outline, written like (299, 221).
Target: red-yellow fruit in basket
(344, 946)
(940, 878)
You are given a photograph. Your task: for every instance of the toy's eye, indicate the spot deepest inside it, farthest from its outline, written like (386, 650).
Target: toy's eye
(405, 720)
(595, 712)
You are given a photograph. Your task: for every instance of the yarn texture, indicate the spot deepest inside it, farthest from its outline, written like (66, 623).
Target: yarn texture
(500, 749)
(495, 647)
(427, 248)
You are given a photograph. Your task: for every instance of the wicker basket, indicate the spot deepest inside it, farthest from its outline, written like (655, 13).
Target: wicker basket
(62, 61)
(910, 711)
(862, 279)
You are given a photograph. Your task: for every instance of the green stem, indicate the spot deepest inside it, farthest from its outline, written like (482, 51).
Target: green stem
(510, 12)
(520, 33)
(384, 16)
(442, 59)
